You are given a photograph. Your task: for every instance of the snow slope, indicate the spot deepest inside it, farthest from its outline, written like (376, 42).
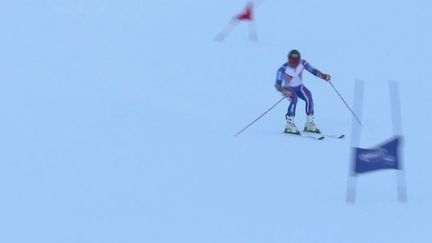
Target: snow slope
(118, 116)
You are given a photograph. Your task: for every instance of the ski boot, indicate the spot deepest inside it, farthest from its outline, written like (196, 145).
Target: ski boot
(290, 126)
(310, 124)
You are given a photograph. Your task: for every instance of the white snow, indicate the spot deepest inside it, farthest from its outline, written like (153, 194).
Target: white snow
(118, 120)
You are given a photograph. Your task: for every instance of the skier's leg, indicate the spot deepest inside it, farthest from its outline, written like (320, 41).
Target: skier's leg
(290, 116)
(293, 98)
(306, 95)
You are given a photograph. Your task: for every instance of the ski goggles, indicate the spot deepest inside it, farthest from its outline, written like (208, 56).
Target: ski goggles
(294, 61)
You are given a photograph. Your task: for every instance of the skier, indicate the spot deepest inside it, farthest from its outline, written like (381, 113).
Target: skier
(289, 82)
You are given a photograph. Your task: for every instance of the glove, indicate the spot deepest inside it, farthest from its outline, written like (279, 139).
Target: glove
(284, 91)
(326, 77)
(287, 93)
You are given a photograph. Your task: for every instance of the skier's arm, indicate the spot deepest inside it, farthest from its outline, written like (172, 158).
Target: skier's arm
(315, 71)
(279, 79)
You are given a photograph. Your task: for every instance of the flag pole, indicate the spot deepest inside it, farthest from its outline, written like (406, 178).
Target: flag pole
(252, 31)
(397, 130)
(228, 29)
(355, 140)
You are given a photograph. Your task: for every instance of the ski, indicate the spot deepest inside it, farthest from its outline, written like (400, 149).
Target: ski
(335, 136)
(310, 136)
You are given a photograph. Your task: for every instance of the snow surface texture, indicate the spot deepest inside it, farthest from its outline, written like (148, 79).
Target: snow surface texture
(118, 116)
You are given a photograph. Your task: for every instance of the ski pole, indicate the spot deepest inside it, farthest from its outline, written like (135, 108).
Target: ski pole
(263, 114)
(346, 104)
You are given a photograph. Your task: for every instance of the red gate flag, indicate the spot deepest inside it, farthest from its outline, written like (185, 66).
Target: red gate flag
(246, 15)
